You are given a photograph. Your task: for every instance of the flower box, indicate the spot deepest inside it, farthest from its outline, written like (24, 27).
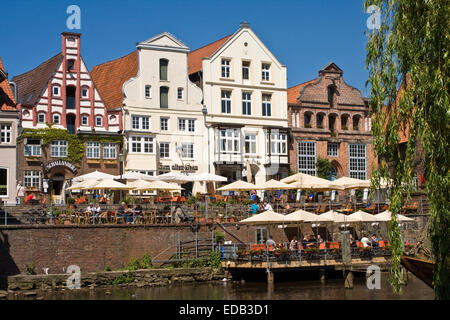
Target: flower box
(93, 160)
(110, 161)
(31, 159)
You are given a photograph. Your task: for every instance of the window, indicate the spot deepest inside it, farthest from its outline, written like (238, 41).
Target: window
(265, 72)
(56, 119)
(229, 141)
(85, 92)
(5, 130)
(356, 123)
(140, 122)
(180, 94)
(70, 97)
(56, 91)
(344, 121)
(98, 121)
(58, 149)
(226, 68)
(306, 157)
(246, 103)
(3, 182)
(357, 161)
(250, 143)
(278, 143)
(245, 70)
(109, 150)
(266, 105)
(186, 123)
(164, 97)
(307, 119)
(333, 149)
(92, 150)
(70, 64)
(319, 120)
(164, 124)
(261, 235)
(164, 150)
(226, 101)
(163, 66)
(142, 144)
(330, 94)
(148, 91)
(32, 179)
(84, 120)
(41, 117)
(32, 148)
(187, 151)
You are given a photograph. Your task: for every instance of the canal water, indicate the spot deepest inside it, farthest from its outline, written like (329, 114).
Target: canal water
(330, 289)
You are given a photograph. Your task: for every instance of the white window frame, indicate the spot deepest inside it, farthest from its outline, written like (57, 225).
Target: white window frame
(180, 93)
(53, 91)
(141, 143)
(164, 153)
(278, 143)
(58, 148)
(187, 150)
(5, 133)
(141, 123)
(109, 150)
(265, 73)
(32, 150)
(333, 149)
(247, 68)
(161, 127)
(266, 105)
(226, 68)
(58, 117)
(148, 91)
(357, 161)
(307, 157)
(41, 114)
(32, 178)
(101, 121)
(92, 150)
(246, 103)
(186, 125)
(87, 120)
(226, 100)
(251, 141)
(229, 141)
(87, 91)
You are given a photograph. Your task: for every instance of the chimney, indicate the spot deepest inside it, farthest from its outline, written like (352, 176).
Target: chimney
(244, 25)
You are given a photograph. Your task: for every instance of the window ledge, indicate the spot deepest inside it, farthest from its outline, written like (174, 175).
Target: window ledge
(93, 160)
(226, 79)
(33, 158)
(110, 161)
(267, 82)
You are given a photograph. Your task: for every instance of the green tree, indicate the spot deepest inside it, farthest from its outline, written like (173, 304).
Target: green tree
(323, 168)
(408, 64)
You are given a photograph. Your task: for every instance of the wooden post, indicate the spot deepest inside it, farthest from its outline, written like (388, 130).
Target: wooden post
(322, 275)
(346, 250)
(270, 277)
(348, 279)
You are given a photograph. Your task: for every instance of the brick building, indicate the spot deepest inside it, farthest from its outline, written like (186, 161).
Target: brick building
(67, 129)
(330, 119)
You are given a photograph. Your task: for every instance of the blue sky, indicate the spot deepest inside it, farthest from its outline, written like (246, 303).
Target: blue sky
(303, 35)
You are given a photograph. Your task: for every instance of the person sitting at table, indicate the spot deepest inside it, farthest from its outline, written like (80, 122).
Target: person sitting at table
(352, 241)
(30, 198)
(89, 208)
(266, 206)
(319, 239)
(271, 242)
(128, 214)
(254, 208)
(137, 211)
(305, 240)
(366, 241)
(293, 245)
(96, 210)
(374, 241)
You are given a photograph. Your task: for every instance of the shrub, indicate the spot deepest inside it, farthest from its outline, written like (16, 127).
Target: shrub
(70, 200)
(134, 264)
(107, 269)
(191, 200)
(219, 236)
(214, 260)
(146, 261)
(31, 269)
(123, 278)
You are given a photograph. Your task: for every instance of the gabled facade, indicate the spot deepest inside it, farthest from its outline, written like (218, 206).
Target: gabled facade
(330, 119)
(60, 94)
(9, 120)
(244, 95)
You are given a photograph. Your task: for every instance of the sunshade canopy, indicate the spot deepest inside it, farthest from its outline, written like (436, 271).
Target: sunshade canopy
(305, 216)
(82, 184)
(386, 216)
(266, 217)
(176, 177)
(309, 182)
(134, 175)
(337, 217)
(208, 177)
(362, 216)
(275, 185)
(110, 184)
(96, 175)
(158, 185)
(238, 186)
(347, 183)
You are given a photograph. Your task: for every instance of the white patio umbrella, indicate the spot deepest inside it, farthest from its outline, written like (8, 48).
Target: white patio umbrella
(238, 186)
(82, 184)
(305, 216)
(157, 185)
(208, 177)
(134, 175)
(265, 218)
(362, 216)
(274, 185)
(347, 183)
(338, 217)
(109, 184)
(96, 175)
(176, 177)
(386, 216)
(306, 181)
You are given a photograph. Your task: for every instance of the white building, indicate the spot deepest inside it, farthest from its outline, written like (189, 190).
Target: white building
(244, 89)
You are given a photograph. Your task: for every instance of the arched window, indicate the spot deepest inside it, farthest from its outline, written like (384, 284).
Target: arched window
(164, 97)
(319, 120)
(307, 119)
(163, 69)
(344, 122)
(356, 122)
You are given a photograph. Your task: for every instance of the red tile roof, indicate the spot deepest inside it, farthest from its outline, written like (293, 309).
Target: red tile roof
(7, 101)
(109, 78)
(32, 84)
(195, 57)
(294, 92)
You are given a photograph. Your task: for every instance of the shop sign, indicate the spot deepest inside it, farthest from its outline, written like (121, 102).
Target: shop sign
(176, 167)
(60, 163)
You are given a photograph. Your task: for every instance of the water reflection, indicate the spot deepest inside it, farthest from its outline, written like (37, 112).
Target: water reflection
(330, 289)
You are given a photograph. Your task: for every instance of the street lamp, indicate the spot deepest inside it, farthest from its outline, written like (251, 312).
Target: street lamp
(205, 112)
(121, 169)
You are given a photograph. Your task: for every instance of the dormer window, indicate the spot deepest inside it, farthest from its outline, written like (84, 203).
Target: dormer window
(70, 64)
